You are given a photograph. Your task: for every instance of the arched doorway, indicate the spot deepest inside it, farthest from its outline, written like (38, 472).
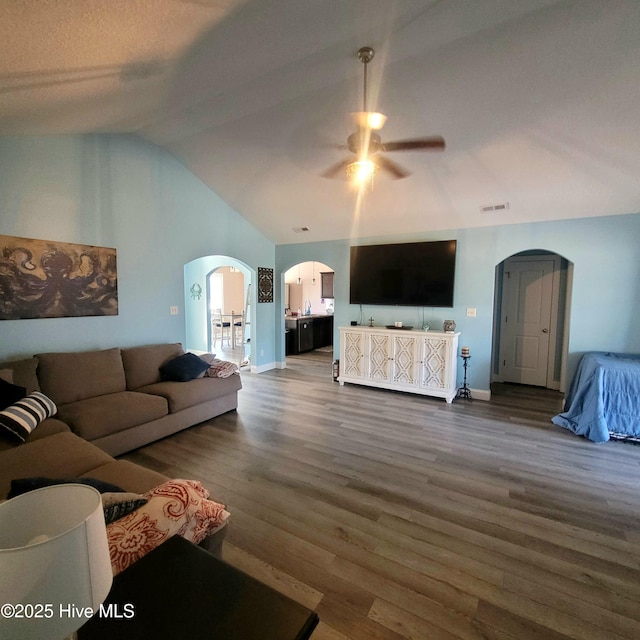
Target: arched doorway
(198, 276)
(308, 308)
(229, 314)
(530, 319)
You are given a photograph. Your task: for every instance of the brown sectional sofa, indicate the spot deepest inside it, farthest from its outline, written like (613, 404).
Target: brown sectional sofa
(113, 399)
(116, 399)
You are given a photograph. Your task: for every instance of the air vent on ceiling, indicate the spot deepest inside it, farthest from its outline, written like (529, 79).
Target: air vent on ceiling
(300, 229)
(500, 206)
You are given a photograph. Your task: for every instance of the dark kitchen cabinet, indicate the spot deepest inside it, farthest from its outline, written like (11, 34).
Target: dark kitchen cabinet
(299, 336)
(290, 341)
(308, 332)
(322, 331)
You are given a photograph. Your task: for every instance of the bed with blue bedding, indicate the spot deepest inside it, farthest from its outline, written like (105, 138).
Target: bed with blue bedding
(604, 398)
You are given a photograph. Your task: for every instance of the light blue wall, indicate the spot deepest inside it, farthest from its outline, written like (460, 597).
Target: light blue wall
(605, 297)
(118, 191)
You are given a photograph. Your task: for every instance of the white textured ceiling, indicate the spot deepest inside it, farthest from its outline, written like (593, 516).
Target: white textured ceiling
(538, 100)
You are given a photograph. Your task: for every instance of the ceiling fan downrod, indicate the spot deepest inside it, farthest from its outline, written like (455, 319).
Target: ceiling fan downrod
(365, 55)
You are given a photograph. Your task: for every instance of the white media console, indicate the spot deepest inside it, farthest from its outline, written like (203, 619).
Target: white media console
(414, 361)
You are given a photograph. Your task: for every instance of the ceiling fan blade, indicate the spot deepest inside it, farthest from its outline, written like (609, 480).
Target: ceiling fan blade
(335, 170)
(394, 169)
(435, 143)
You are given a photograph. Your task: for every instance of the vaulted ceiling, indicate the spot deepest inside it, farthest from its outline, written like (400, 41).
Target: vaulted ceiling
(538, 101)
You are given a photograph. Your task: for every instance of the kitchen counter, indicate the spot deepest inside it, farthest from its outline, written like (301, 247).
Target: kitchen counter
(313, 315)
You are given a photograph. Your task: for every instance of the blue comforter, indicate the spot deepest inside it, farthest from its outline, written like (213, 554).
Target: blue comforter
(604, 397)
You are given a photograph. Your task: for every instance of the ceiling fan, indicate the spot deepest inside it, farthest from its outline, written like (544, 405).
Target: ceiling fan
(367, 146)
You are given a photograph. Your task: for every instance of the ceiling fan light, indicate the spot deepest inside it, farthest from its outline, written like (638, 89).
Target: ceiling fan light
(370, 119)
(362, 170)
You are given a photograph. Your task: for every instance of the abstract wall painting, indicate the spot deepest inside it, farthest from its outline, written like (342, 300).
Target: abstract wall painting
(50, 279)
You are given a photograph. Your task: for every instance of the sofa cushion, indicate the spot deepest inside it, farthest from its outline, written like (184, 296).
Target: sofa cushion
(69, 377)
(47, 428)
(182, 395)
(24, 373)
(61, 455)
(128, 475)
(183, 368)
(142, 364)
(97, 417)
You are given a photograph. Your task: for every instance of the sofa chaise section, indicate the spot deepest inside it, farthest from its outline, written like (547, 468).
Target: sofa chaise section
(52, 451)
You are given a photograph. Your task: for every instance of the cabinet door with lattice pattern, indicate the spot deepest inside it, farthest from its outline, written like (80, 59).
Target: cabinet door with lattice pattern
(378, 360)
(406, 360)
(352, 354)
(436, 355)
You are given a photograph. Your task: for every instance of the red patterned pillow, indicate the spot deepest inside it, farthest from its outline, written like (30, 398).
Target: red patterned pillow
(176, 507)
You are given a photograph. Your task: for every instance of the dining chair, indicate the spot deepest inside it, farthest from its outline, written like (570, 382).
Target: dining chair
(221, 329)
(238, 327)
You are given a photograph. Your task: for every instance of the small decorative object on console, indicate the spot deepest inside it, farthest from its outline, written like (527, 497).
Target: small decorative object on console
(449, 326)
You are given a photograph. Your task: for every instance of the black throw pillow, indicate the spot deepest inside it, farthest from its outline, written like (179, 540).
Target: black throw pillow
(22, 485)
(10, 394)
(118, 505)
(182, 368)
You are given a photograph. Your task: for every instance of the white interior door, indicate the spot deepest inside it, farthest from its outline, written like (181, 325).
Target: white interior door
(527, 298)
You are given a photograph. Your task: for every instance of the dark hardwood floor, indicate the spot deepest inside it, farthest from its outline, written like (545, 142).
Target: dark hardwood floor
(397, 516)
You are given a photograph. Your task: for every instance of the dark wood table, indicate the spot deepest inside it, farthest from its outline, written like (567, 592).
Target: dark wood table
(179, 590)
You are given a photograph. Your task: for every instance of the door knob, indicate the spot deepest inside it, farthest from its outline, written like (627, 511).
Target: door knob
(545, 331)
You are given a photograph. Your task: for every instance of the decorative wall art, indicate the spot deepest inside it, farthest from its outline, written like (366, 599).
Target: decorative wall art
(50, 279)
(265, 284)
(196, 291)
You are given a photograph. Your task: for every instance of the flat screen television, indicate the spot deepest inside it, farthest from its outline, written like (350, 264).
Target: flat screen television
(417, 274)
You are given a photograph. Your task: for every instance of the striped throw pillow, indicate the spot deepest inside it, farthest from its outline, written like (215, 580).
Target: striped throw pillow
(22, 417)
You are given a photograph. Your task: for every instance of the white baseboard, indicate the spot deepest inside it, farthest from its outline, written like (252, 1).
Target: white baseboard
(481, 394)
(266, 367)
